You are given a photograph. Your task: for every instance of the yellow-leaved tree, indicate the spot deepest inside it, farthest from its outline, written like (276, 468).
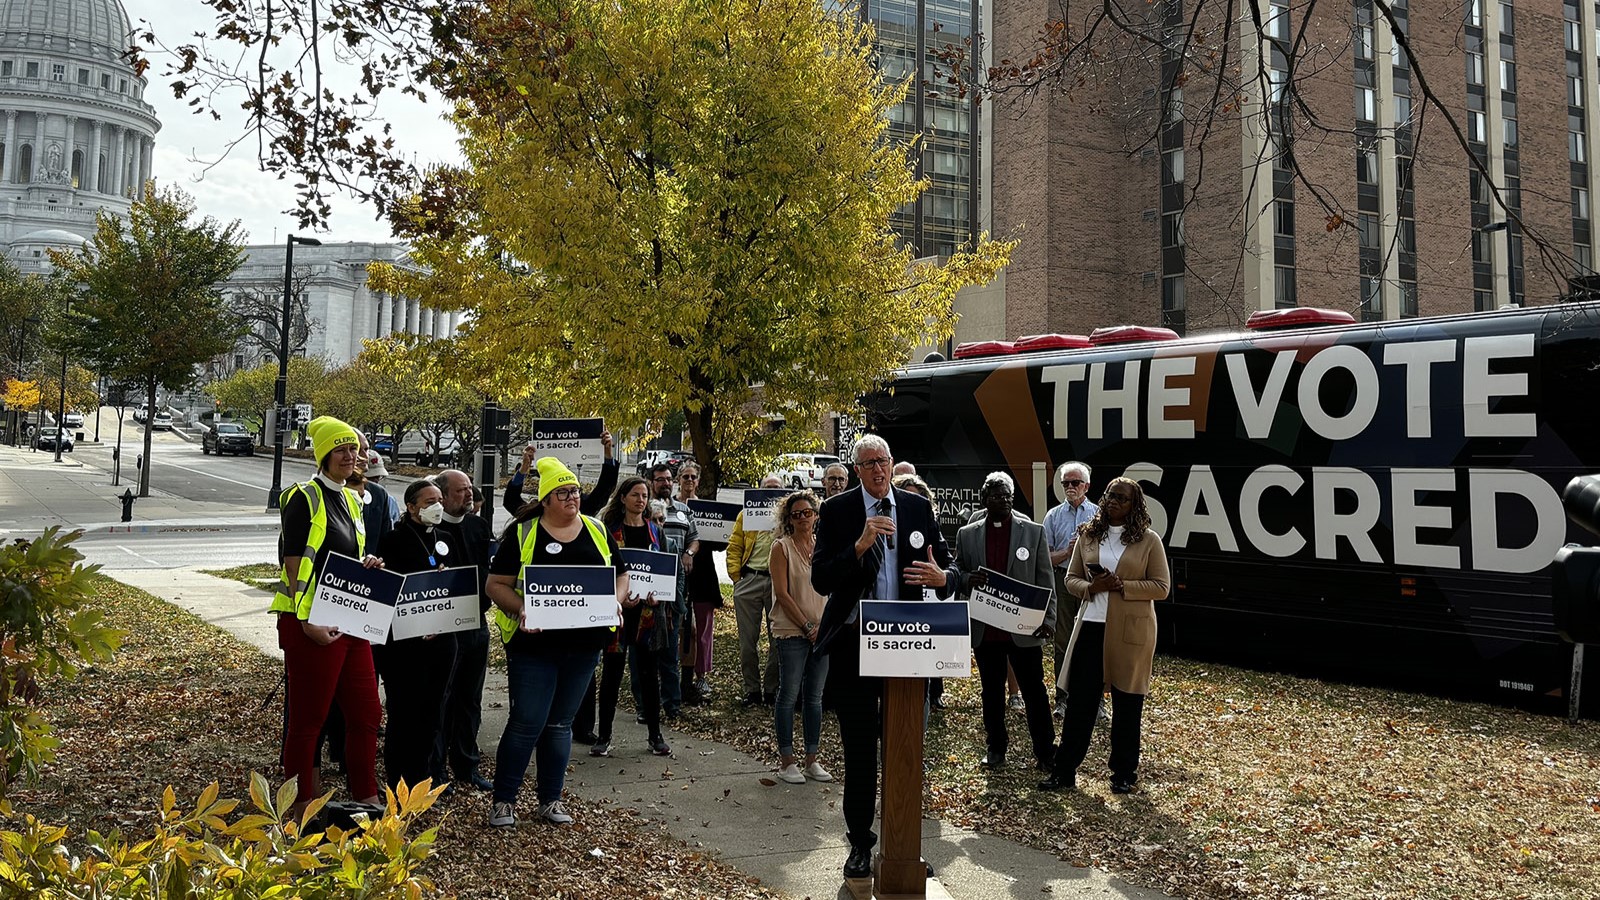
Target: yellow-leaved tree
(671, 205)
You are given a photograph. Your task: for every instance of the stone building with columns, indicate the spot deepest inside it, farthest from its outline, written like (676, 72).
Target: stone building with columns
(342, 309)
(79, 135)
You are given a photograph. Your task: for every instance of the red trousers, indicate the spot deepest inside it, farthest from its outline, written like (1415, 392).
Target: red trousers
(317, 675)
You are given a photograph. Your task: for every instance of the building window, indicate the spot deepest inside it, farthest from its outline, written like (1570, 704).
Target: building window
(1283, 288)
(1508, 75)
(1367, 165)
(1174, 107)
(1172, 166)
(58, 72)
(1575, 92)
(25, 164)
(1475, 13)
(1474, 126)
(105, 81)
(1278, 21)
(122, 85)
(1362, 41)
(1408, 298)
(1172, 229)
(1172, 292)
(1474, 68)
(1366, 102)
(1507, 20)
(1367, 231)
(33, 70)
(1283, 218)
(1371, 298)
(1574, 37)
(1580, 203)
(1402, 109)
(83, 76)
(1511, 132)
(7, 68)
(1576, 151)
(1584, 258)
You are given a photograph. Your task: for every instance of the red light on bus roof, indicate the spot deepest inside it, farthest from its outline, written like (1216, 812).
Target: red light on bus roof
(1299, 317)
(985, 348)
(1128, 334)
(1035, 342)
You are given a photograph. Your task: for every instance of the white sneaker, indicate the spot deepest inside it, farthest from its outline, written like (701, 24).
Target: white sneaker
(792, 774)
(554, 813)
(503, 815)
(1016, 701)
(816, 772)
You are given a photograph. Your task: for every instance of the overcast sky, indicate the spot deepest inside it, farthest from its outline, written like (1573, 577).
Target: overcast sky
(236, 188)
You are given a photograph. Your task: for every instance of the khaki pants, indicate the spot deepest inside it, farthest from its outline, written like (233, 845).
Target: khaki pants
(752, 599)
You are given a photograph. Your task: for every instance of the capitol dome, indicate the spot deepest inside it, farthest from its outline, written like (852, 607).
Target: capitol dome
(101, 25)
(78, 135)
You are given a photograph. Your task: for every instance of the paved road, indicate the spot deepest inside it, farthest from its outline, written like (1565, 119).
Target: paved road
(180, 469)
(169, 550)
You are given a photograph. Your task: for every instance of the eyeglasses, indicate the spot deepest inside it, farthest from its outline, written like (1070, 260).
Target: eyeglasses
(880, 463)
(1119, 498)
(1072, 482)
(566, 493)
(688, 476)
(663, 479)
(802, 514)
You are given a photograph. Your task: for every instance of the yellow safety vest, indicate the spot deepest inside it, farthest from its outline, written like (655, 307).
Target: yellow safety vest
(300, 603)
(527, 536)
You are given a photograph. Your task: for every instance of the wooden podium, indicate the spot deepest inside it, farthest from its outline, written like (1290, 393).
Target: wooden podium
(899, 871)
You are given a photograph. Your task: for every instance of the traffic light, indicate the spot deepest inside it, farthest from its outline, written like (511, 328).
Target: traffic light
(1575, 577)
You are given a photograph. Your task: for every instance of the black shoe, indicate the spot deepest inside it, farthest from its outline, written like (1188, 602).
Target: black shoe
(1057, 783)
(478, 781)
(1121, 785)
(1044, 764)
(584, 737)
(938, 703)
(770, 698)
(994, 762)
(859, 863)
(930, 868)
(639, 717)
(751, 699)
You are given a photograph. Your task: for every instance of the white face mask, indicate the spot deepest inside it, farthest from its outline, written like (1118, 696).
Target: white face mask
(431, 515)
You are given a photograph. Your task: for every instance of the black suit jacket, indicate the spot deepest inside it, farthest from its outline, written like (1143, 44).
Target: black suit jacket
(837, 572)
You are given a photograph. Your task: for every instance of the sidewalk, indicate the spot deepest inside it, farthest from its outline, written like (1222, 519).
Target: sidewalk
(37, 492)
(791, 837)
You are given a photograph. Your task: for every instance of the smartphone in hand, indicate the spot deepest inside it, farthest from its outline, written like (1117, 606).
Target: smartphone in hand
(1095, 570)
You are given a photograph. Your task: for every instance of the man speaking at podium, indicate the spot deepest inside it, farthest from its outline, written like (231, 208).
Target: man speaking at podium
(876, 543)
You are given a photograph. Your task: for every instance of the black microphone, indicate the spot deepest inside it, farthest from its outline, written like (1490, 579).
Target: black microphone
(886, 509)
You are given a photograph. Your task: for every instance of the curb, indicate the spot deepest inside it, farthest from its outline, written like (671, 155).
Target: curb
(168, 526)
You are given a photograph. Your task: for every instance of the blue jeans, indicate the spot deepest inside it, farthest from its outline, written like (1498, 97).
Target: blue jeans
(797, 668)
(546, 689)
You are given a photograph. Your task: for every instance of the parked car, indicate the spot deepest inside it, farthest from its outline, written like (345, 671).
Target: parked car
(161, 421)
(673, 458)
(803, 470)
(141, 413)
(73, 420)
(48, 437)
(418, 446)
(228, 437)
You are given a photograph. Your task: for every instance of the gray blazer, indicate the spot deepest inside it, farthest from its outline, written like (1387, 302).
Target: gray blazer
(1036, 569)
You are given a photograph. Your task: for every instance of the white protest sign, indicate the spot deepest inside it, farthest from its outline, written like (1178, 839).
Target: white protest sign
(355, 599)
(759, 511)
(915, 639)
(714, 520)
(1012, 606)
(650, 571)
(557, 597)
(437, 602)
(576, 442)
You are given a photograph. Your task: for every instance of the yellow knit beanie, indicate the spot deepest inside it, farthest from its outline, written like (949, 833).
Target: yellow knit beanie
(329, 434)
(553, 474)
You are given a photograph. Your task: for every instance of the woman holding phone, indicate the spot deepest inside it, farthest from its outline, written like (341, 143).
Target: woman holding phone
(1119, 569)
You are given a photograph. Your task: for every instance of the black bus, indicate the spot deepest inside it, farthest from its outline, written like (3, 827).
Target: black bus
(1377, 501)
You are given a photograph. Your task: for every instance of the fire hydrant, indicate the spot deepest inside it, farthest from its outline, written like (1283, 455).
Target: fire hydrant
(127, 505)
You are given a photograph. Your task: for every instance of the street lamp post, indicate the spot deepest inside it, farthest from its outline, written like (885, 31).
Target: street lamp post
(281, 389)
(61, 405)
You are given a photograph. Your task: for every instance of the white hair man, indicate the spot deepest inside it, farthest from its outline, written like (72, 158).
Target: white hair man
(1061, 532)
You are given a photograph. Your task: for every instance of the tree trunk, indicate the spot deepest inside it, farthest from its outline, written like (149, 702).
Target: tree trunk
(705, 451)
(149, 432)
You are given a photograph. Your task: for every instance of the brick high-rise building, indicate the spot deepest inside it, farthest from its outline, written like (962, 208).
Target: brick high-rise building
(1318, 176)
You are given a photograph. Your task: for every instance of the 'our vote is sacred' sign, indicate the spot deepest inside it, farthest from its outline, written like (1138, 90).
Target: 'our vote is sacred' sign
(576, 442)
(714, 520)
(915, 639)
(437, 602)
(1012, 606)
(760, 512)
(650, 572)
(557, 597)
(355, 599)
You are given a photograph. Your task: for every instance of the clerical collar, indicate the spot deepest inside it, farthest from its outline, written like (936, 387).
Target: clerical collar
(454, 520)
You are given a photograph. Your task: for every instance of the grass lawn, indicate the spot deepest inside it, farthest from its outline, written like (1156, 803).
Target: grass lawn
(1260, 785)
(186, 704)
(258, 575)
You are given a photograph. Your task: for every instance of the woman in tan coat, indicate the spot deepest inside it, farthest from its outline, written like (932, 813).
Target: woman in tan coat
(1119, 569)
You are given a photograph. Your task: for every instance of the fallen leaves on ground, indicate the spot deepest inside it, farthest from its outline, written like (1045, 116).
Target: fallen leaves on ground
(1259, 785)
(257, 575)
(185, 704)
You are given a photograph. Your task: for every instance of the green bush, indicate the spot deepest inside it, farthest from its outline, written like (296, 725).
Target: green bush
(198, 854)
(47, 628)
